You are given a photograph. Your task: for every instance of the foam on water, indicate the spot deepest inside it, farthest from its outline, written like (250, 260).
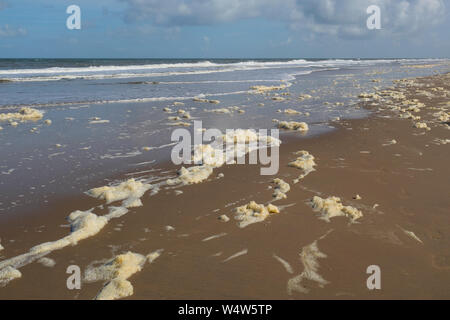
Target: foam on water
(254, 213)
(284, 263)
(237, 254)
(304, 162)
(129, 191)
(86, 224)
(282, 187)
(309, 257)
(116, 273)
(332, 207)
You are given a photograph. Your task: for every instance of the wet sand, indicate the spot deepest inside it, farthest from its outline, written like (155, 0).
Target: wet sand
(407, 180)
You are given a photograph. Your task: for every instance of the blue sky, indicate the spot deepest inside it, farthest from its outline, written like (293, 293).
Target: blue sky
(224, 29)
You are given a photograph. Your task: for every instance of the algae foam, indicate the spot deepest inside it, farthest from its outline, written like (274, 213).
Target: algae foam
(191, 175)
(282, 187)
(309, 257)
(253, 213)
(332, 207)
(304, 162)
(7, 274)
(293, 125)
(116, 273)
(265, 89)
(129, 191)
(24, 114)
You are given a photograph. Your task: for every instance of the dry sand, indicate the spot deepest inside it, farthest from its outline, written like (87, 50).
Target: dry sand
(405, 227)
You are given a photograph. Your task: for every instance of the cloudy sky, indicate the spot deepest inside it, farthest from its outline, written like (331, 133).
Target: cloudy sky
(224, 29)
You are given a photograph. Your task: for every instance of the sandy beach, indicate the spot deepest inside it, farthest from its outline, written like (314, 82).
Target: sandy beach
(389, 170)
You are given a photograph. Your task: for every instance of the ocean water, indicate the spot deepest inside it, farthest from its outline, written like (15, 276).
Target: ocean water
(49, 82)
(40, 162)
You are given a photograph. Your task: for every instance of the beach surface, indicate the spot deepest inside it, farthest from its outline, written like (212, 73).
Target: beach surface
(367, 191)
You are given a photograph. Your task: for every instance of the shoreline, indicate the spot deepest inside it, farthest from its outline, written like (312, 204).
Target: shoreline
(398, 184)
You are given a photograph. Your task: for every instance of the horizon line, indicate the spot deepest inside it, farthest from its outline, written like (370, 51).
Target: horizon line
(221, 58)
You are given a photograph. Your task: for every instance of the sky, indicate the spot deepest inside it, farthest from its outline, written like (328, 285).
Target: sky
(225, 29)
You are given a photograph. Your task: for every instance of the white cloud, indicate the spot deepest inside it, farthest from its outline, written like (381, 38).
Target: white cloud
(7, 31)
(345, 18)
(202, 12)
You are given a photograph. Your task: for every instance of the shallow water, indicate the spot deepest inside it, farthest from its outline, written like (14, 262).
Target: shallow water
(73, 154)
